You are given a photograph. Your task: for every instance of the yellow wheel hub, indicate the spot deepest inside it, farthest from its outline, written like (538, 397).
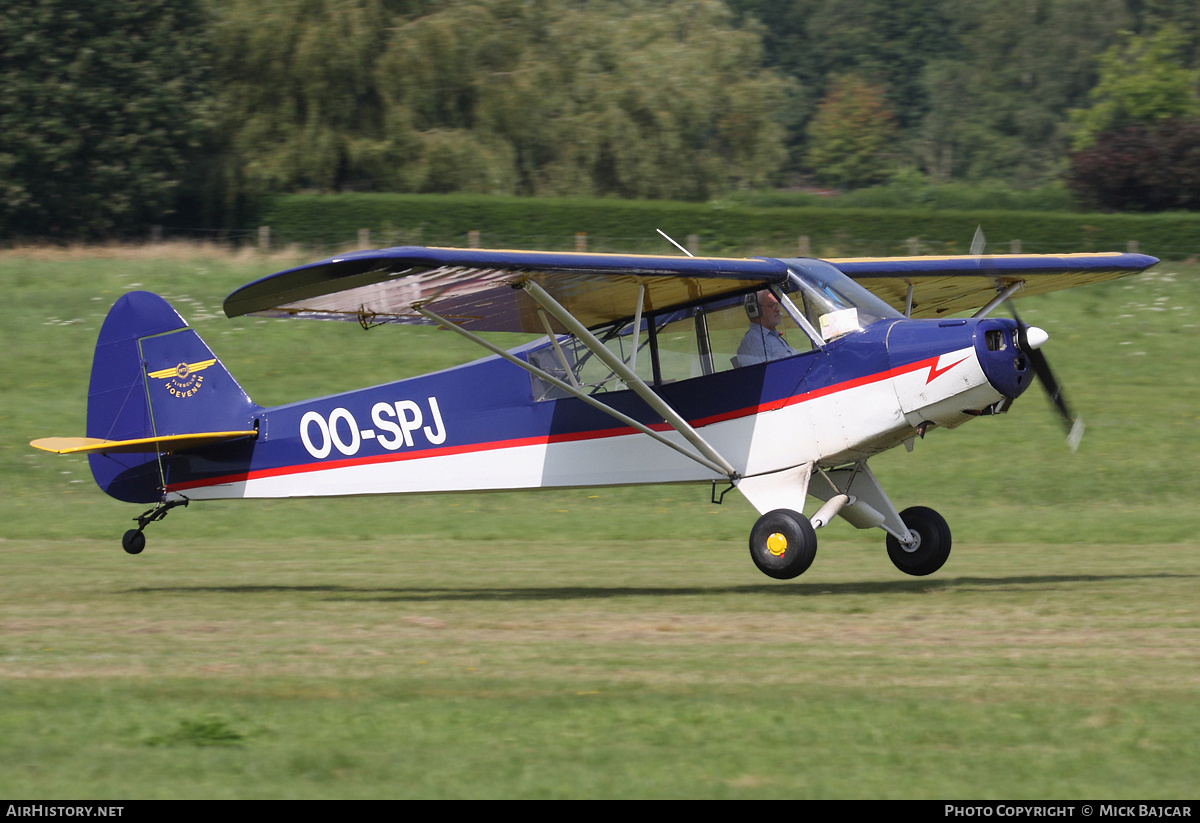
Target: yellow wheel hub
(777, 544)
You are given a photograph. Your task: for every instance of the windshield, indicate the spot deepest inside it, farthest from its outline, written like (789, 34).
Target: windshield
(831, 301)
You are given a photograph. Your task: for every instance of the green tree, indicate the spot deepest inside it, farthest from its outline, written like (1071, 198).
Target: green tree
(626, 97)
(888, 44)
(852, 138)
(1143, 79)
(439, 80)
(664, 101)
(299, 104)
(1182, 14)
(102, 106)
(1000, 109)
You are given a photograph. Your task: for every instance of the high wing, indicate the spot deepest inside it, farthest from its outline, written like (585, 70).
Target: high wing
(944, 285)
(480, 290)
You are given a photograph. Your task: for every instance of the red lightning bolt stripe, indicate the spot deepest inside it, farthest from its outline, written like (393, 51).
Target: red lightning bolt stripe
(935, 372)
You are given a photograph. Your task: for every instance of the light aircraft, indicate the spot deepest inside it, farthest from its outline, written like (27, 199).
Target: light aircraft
(648, 369)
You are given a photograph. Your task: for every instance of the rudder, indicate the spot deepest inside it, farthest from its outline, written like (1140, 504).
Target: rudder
(152, 376)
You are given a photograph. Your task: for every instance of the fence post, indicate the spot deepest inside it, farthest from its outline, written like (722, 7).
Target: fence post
(1132, 247)
(804, 247)
(693, 243)
(364, 239)
(156, 234)
(473, 239)
(581, 241)
(264, 238)
(1014, 246)
(914, 246)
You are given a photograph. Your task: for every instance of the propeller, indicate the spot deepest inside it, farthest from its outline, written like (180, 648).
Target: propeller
(978, 242)
(1030, 340)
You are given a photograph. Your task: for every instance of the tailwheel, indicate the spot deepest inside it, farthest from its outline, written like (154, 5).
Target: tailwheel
(930, 547)
(783, 544)
(133, 541)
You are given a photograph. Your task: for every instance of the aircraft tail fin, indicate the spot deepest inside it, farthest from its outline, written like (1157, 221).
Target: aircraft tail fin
(156, 388)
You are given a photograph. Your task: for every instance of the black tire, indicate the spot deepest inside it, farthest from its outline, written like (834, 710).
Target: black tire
(783, 544)
(133, 541)
(933, 546)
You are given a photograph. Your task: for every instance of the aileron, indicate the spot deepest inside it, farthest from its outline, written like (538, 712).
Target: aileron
(956, 283)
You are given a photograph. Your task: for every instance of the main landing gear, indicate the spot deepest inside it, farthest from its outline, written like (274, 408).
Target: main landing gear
(928, 551)
(783, 542)
(133, 541)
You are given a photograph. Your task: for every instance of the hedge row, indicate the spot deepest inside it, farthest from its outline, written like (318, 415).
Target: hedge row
(334, 221)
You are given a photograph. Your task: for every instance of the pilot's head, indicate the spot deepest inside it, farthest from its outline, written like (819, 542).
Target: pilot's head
(764, 309)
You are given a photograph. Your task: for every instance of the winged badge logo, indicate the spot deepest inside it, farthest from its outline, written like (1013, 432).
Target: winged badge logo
(183, 380)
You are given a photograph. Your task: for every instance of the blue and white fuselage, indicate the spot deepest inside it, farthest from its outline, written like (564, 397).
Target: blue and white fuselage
(478, 426)
(638, 380)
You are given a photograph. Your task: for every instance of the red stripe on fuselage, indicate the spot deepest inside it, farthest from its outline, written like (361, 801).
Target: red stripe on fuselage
(930, 363)
(596, 434)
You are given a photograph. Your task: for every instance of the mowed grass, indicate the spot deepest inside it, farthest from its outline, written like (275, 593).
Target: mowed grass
(600, 643)
(543, 668)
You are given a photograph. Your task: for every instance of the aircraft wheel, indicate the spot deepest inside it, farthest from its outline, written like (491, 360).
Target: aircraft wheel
(783, 544)
(133, 541)
(932, 547)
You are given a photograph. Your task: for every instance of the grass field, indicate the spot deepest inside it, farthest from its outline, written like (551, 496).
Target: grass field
(600, 643)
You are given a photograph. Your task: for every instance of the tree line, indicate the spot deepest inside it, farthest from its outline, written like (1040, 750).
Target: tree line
(117, 113)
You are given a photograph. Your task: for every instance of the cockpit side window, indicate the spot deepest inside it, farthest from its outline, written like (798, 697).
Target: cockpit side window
(725, 334)
(669, 347)
(745, 334)
(569, 360)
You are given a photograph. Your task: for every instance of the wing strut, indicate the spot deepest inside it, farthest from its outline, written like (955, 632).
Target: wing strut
(634, 382)
(575, 391)
(1001, 296)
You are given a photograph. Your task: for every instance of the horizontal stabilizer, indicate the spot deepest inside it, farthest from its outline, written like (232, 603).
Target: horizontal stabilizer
(166, 444)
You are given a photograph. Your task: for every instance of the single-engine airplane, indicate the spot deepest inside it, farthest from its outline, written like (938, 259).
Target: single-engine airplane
(647, 369)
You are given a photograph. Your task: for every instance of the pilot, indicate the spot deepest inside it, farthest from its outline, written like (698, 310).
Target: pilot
(762, 341)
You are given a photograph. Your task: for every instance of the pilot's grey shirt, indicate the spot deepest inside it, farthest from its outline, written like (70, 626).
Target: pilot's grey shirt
(761, 344)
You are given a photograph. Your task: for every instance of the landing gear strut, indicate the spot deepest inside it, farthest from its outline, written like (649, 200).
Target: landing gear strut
(133, 541)
(783, 542)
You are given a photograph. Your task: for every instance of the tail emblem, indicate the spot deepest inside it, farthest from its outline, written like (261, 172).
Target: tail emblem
(183, 380)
